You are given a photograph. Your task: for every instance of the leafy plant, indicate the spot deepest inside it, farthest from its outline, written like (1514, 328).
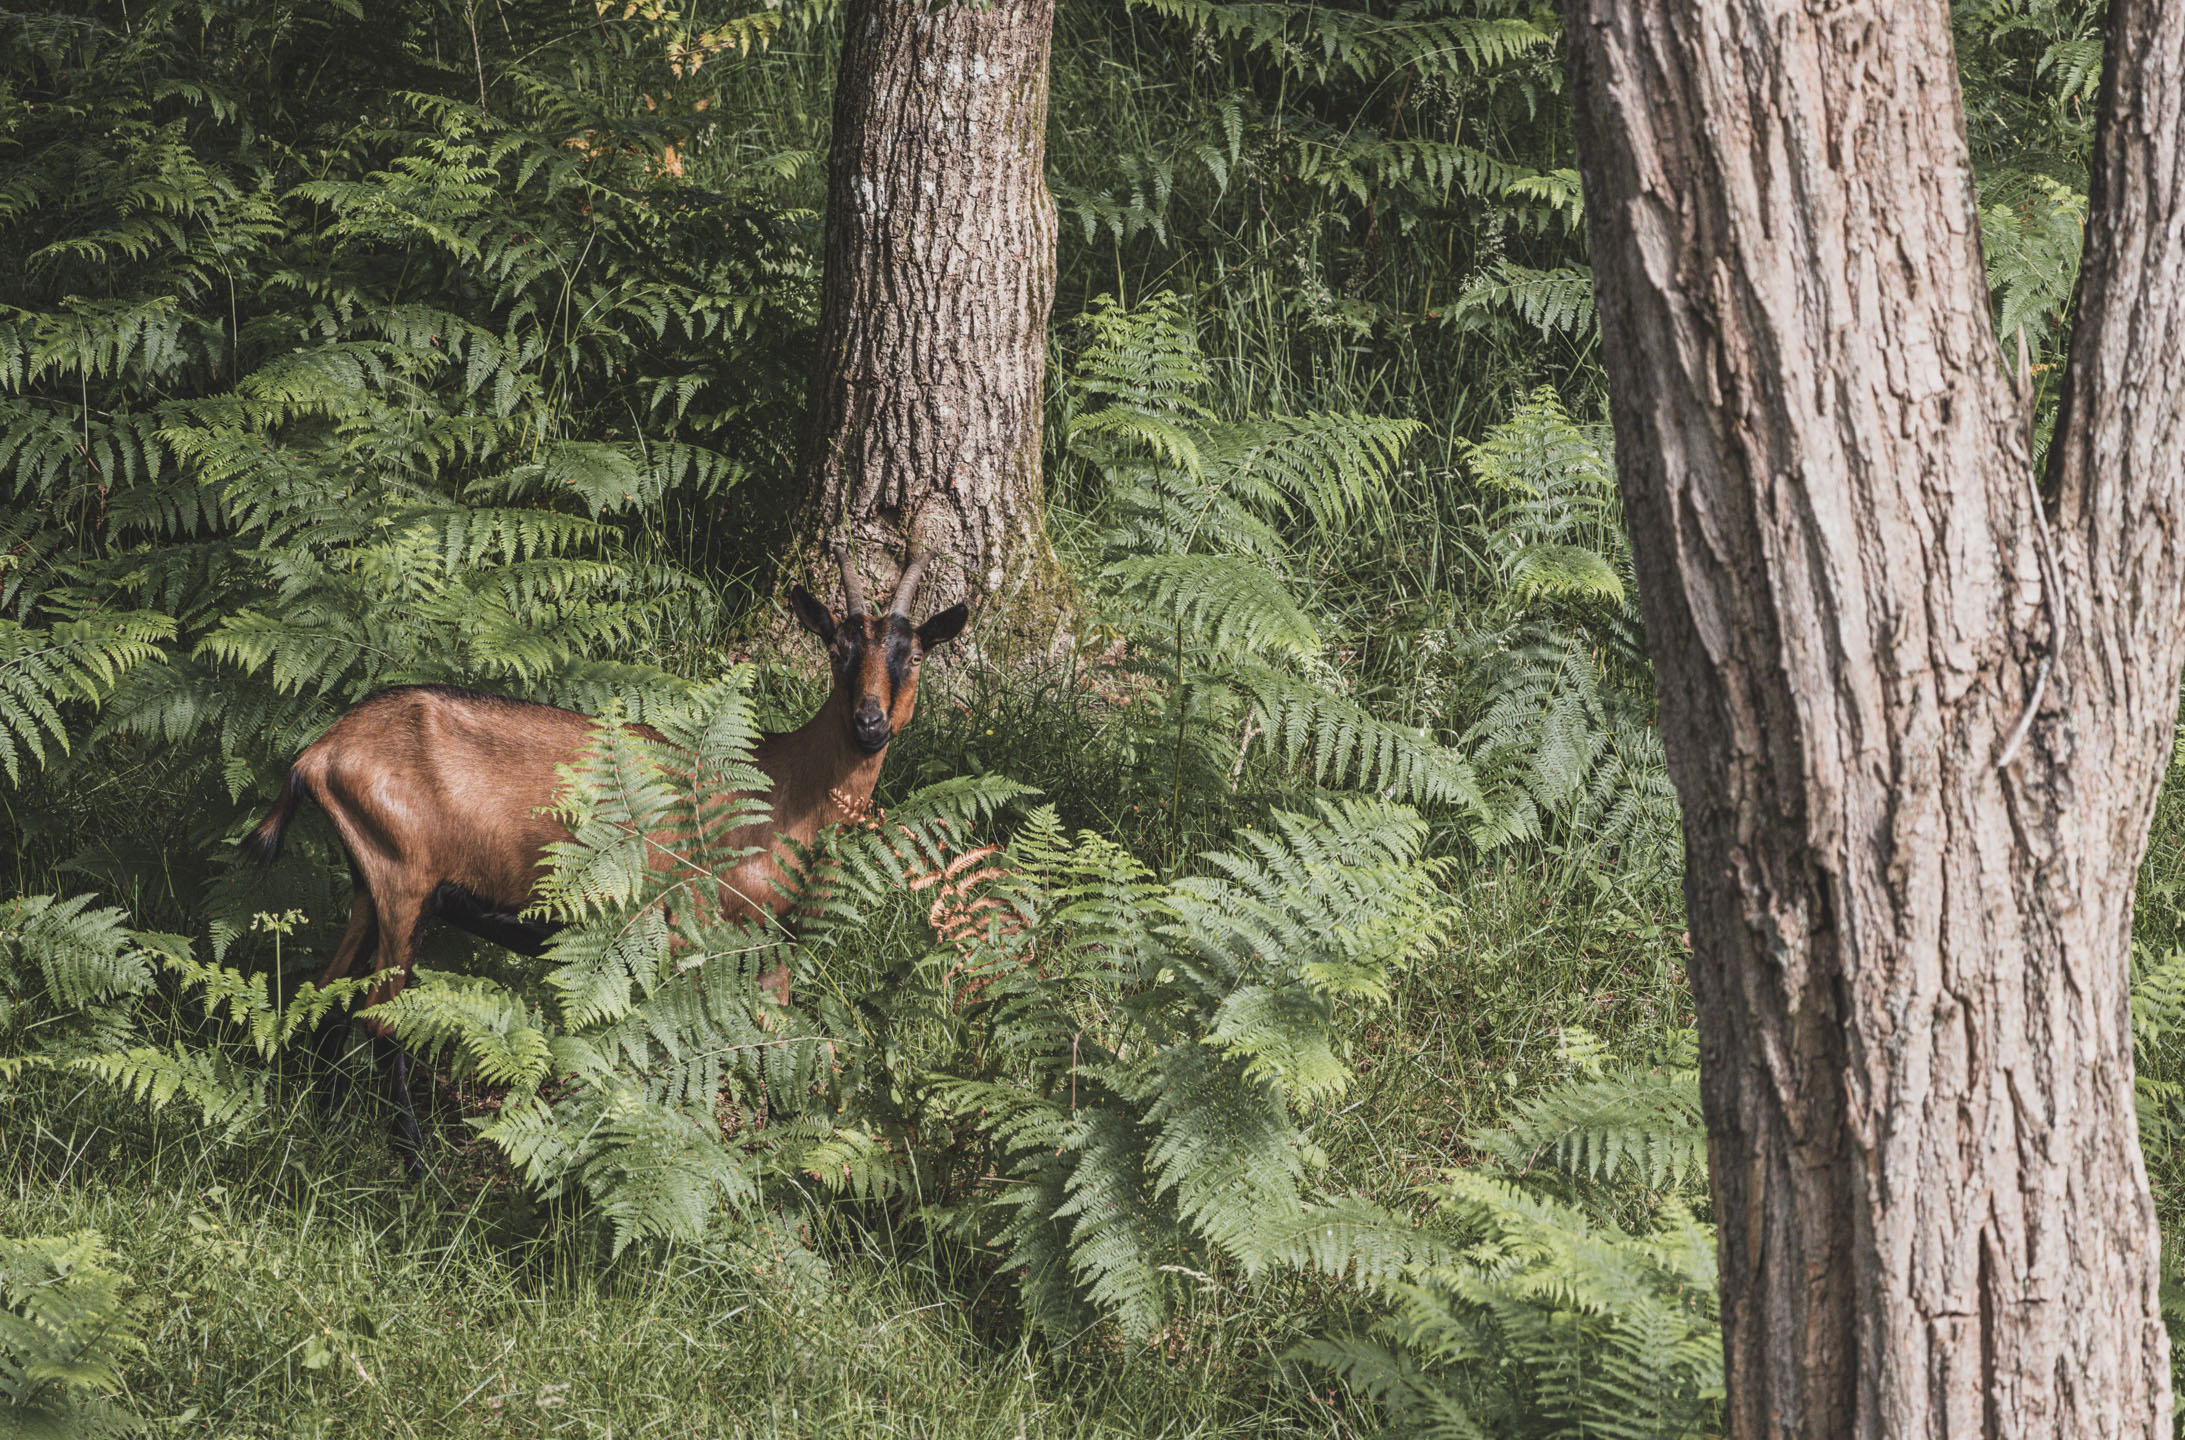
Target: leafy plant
(1539, 1310)
(65, 1333)
(1335, 144)
(76, 986)
(1150, 1051)
(295, 405)
(69, 976)
(1554, 665)
(1197, 512)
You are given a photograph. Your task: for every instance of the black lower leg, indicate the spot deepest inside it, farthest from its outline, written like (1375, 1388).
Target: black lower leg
(409, 1143)
(326, 1052)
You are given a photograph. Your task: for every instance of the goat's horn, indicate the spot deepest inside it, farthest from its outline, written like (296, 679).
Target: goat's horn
(853, 586)
(914, 571)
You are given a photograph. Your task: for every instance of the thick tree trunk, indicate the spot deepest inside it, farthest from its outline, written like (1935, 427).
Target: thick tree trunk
(940, 274)
(1917, 715)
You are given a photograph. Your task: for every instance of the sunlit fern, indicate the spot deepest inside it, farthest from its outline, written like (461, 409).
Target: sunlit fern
(1554, 674)
(1197, 514)
(1562, 1287)
(67, 1334)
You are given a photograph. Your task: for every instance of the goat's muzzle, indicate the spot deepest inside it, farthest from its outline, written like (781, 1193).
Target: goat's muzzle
(869, 727)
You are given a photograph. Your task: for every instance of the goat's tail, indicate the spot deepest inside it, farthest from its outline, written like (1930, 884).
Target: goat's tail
(263, 844)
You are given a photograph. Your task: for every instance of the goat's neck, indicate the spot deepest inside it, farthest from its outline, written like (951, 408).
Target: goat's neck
(820, 778)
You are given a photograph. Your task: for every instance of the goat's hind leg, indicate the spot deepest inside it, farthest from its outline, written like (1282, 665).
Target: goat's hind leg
(408, 1140)
(332, 1037)
(401, 924)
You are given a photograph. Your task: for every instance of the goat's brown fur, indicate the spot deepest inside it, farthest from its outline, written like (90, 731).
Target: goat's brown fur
(442, 797)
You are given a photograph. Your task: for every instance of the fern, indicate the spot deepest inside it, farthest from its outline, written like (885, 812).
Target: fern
(42, 668)
(2029, 71)
(1521, 1307)
(277, 433)
(1227, 602)
(65, 1334)
(2031, 231)
(1632, 1124)
(1329, 39)
(1553, 302)
(1555, 677)
(1550, 1325)
(2158, 1024)
(1197, 513)
(1175, 1035)
(70, 976)
(74, 982)
(1320, 46)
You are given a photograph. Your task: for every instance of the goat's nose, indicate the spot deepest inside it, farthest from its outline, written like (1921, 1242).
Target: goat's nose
(871, 723)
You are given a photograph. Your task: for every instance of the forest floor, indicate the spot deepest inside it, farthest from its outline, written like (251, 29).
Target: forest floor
(295, 1286)
(298, 1288)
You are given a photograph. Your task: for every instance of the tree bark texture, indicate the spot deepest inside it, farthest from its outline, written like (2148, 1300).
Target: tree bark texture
(926, 401)
(1917, 711)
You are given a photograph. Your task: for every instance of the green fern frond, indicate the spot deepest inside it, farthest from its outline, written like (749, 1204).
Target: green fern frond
(2031, 232)
(1554, 302)
(1342, 743)
(1538, 1320)
(1553, 572)
(850, 1160)
(1330, 39)
(1119, 1233)
(1142, 358)
(1356, 1239)
(66, 1335)
(70, 975)
(1229, 604)
(228, 1094)
(1331, 465)
(2158, 1028)
(1640, 1123)
(488, 1032)
(1125, 428)
(42, 669)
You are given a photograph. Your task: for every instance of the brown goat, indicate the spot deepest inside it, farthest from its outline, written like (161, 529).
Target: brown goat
(442, 798)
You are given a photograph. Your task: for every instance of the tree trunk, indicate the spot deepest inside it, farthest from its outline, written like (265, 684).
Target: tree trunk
(940, 274)
(1917, 714)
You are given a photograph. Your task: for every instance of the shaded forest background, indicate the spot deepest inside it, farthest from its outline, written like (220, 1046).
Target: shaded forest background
(1266, 1012)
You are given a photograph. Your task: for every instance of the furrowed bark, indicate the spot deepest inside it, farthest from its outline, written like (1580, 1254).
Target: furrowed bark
(1917, 721)
(926, 400)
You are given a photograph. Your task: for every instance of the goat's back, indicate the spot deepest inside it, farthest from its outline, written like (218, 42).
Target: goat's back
(433, 784)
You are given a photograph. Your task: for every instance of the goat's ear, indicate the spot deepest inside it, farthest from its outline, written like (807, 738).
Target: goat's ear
(943, 627)
(812, 615)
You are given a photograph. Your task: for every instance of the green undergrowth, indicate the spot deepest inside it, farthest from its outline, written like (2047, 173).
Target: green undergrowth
(288, 1288)
(287, 1283)
(2158, 1025)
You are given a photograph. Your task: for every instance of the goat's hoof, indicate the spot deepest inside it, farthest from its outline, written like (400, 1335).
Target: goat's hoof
(409, 1148)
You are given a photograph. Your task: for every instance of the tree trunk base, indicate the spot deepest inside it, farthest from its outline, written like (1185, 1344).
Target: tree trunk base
(926, 407)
